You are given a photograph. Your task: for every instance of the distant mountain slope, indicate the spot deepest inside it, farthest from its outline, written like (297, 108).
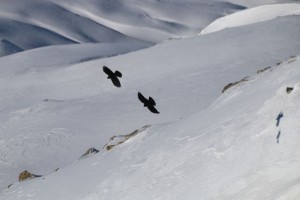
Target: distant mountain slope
(152, 20)
(35, 23)
(253, 15)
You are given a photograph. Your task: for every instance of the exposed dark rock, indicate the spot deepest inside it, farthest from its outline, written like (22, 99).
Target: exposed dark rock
(25, 175)
(89, 152)
(262, 70)
(292, 59)
(289, 89)
(233, 84)
(117, 140)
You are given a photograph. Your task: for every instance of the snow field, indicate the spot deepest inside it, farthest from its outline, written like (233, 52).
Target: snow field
(56, 103)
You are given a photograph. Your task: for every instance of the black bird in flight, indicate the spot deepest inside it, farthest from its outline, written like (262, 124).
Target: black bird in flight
(148, 103)
(113, 76)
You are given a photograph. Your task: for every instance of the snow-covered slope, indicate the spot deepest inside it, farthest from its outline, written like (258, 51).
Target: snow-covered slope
(61, 55)
(226, 151)
(50, 115)
(253, 15)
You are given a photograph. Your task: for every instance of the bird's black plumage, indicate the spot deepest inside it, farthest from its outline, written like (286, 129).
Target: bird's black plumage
(148, 103)
(151, 101)
(142, 98)
(113, 76)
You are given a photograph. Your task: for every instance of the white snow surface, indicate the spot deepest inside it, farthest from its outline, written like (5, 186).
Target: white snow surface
(253, 15)
(56, 103)
(226, 151)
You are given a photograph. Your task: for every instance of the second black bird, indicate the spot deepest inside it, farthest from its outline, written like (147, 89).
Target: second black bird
(113, 76)
(148, 103)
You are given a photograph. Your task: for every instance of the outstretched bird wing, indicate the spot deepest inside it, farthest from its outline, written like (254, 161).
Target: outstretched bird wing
(153, 109)
(116, 81)
(118, 74)
(151, 101)
(107, 71)
(142, 98)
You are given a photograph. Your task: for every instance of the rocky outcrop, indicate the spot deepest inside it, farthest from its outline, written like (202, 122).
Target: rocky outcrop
(229, 85)
(117, 140)
(89, 152)
(26, 175)
(263, 69)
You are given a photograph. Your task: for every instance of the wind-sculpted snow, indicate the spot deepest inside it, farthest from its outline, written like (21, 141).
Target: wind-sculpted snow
(153, 21)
